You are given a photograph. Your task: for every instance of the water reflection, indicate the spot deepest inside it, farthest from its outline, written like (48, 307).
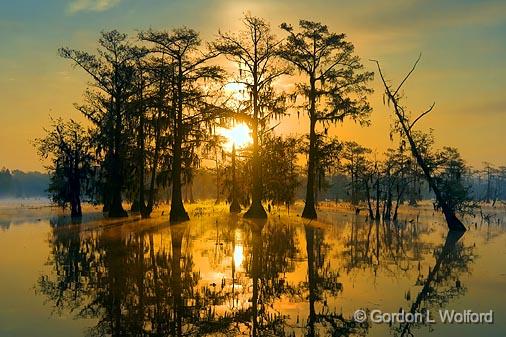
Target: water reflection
(323, 282)
(442, 283)
(229, 276)
(390, 247)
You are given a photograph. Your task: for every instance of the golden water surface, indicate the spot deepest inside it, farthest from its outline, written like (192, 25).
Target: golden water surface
(222, 275)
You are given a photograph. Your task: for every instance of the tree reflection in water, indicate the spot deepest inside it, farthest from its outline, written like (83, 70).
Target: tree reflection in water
(323, 282)
(397, 248)
(442, 283)
(149, 281)
(390, 247)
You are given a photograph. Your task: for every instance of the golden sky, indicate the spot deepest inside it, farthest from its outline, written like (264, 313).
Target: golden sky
(463, 67)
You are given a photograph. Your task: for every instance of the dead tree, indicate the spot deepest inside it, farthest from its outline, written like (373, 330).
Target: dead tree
(405, 130)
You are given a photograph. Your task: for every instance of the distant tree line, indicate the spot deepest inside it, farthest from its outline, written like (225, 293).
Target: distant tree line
(19, 184)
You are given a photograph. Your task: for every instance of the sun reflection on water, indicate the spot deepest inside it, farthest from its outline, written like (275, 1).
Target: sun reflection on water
(238, 250)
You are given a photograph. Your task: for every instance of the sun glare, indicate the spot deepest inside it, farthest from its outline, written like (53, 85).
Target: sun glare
(240, 135)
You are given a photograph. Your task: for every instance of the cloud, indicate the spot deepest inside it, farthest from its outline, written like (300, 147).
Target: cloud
(91, 5)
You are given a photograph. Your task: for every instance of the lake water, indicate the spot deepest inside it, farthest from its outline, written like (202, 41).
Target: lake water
(222, 275)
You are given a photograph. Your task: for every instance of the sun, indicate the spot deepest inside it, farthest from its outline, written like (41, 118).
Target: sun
(239, 135)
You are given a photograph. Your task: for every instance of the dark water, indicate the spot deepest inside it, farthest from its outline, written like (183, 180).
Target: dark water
(219, 275)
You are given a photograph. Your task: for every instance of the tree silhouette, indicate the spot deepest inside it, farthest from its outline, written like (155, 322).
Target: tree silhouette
(334, 85)
(190, 111)
(354, 163)
(405, 128)
(112, 71)
(68, 146)
(255, 50)
(158, 131)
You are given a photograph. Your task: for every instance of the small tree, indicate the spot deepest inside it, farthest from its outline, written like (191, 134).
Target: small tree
(334, 85)
(67, 145)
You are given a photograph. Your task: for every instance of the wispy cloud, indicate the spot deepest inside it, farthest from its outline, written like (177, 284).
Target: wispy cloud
(91, 5)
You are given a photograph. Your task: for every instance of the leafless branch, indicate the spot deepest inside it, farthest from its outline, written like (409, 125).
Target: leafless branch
(421, 115)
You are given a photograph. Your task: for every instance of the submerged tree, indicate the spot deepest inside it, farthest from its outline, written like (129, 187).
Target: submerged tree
(190, 110)
(334, 85)
(404, 126)
(255, 50)
(67, 144)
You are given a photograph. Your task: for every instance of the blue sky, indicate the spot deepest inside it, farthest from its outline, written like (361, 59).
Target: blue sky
(463, 67)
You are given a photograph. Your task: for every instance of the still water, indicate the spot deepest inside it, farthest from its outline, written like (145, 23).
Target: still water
(222, 275)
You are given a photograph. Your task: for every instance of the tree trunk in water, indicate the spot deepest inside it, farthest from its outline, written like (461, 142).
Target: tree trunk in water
(451, 219)
(177, 211)
(142, 160)
(400, 193)
(151, 197)
(368, 195)
(387, 209)
(75, 191)
(75, 206)
(377, 199)
(453, 222)
(256, 209)
(309, 211)
(116, 207)
(116, 175)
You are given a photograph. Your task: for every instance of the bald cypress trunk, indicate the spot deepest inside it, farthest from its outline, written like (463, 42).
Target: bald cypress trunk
(309, 211)
(177, 210)
(256, 209)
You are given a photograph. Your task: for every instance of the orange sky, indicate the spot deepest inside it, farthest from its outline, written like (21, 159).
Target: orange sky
(463, 68)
